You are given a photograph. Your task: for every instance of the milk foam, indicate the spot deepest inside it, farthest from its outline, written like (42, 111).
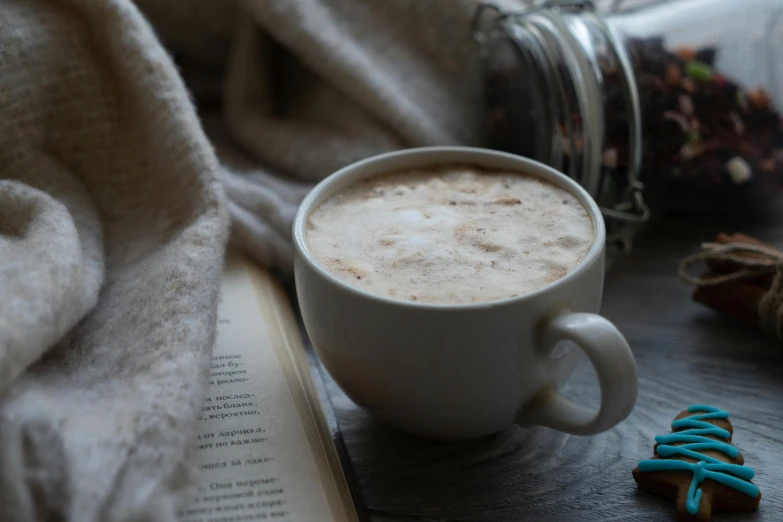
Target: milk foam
(452, 234)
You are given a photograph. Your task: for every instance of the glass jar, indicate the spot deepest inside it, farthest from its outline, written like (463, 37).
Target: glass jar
(676, 101)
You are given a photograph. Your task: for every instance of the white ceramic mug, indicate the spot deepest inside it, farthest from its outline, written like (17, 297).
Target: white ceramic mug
(451, 371)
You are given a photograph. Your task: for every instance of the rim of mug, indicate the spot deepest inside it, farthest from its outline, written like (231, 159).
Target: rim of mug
(526, 166)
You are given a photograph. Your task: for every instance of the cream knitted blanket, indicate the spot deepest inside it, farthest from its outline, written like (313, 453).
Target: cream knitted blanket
(112, 217)
(112, 229)
(296, 89)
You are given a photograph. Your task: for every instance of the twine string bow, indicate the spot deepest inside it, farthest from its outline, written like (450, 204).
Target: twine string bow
(753, 261)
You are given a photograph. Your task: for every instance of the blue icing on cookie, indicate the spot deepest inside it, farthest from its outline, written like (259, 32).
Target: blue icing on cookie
(696, 440)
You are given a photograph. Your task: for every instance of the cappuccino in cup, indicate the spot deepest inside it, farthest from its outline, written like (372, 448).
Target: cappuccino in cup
(437, 285)
(450, 234)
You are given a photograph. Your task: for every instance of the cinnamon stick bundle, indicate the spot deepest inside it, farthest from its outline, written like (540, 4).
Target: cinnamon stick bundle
(739, 280)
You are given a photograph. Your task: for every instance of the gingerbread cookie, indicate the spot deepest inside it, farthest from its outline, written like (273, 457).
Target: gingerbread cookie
(698, 466)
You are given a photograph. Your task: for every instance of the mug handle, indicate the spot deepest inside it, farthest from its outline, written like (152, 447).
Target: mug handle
(614, 365)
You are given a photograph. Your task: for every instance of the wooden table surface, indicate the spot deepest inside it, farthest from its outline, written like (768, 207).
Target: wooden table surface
(686, 354)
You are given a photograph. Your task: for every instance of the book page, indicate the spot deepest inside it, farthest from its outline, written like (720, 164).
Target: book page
(254, 456)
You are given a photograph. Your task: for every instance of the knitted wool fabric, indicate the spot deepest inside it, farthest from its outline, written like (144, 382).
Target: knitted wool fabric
(291, 91)
(112, 231)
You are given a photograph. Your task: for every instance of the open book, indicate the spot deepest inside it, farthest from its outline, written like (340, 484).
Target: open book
(265, 448)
